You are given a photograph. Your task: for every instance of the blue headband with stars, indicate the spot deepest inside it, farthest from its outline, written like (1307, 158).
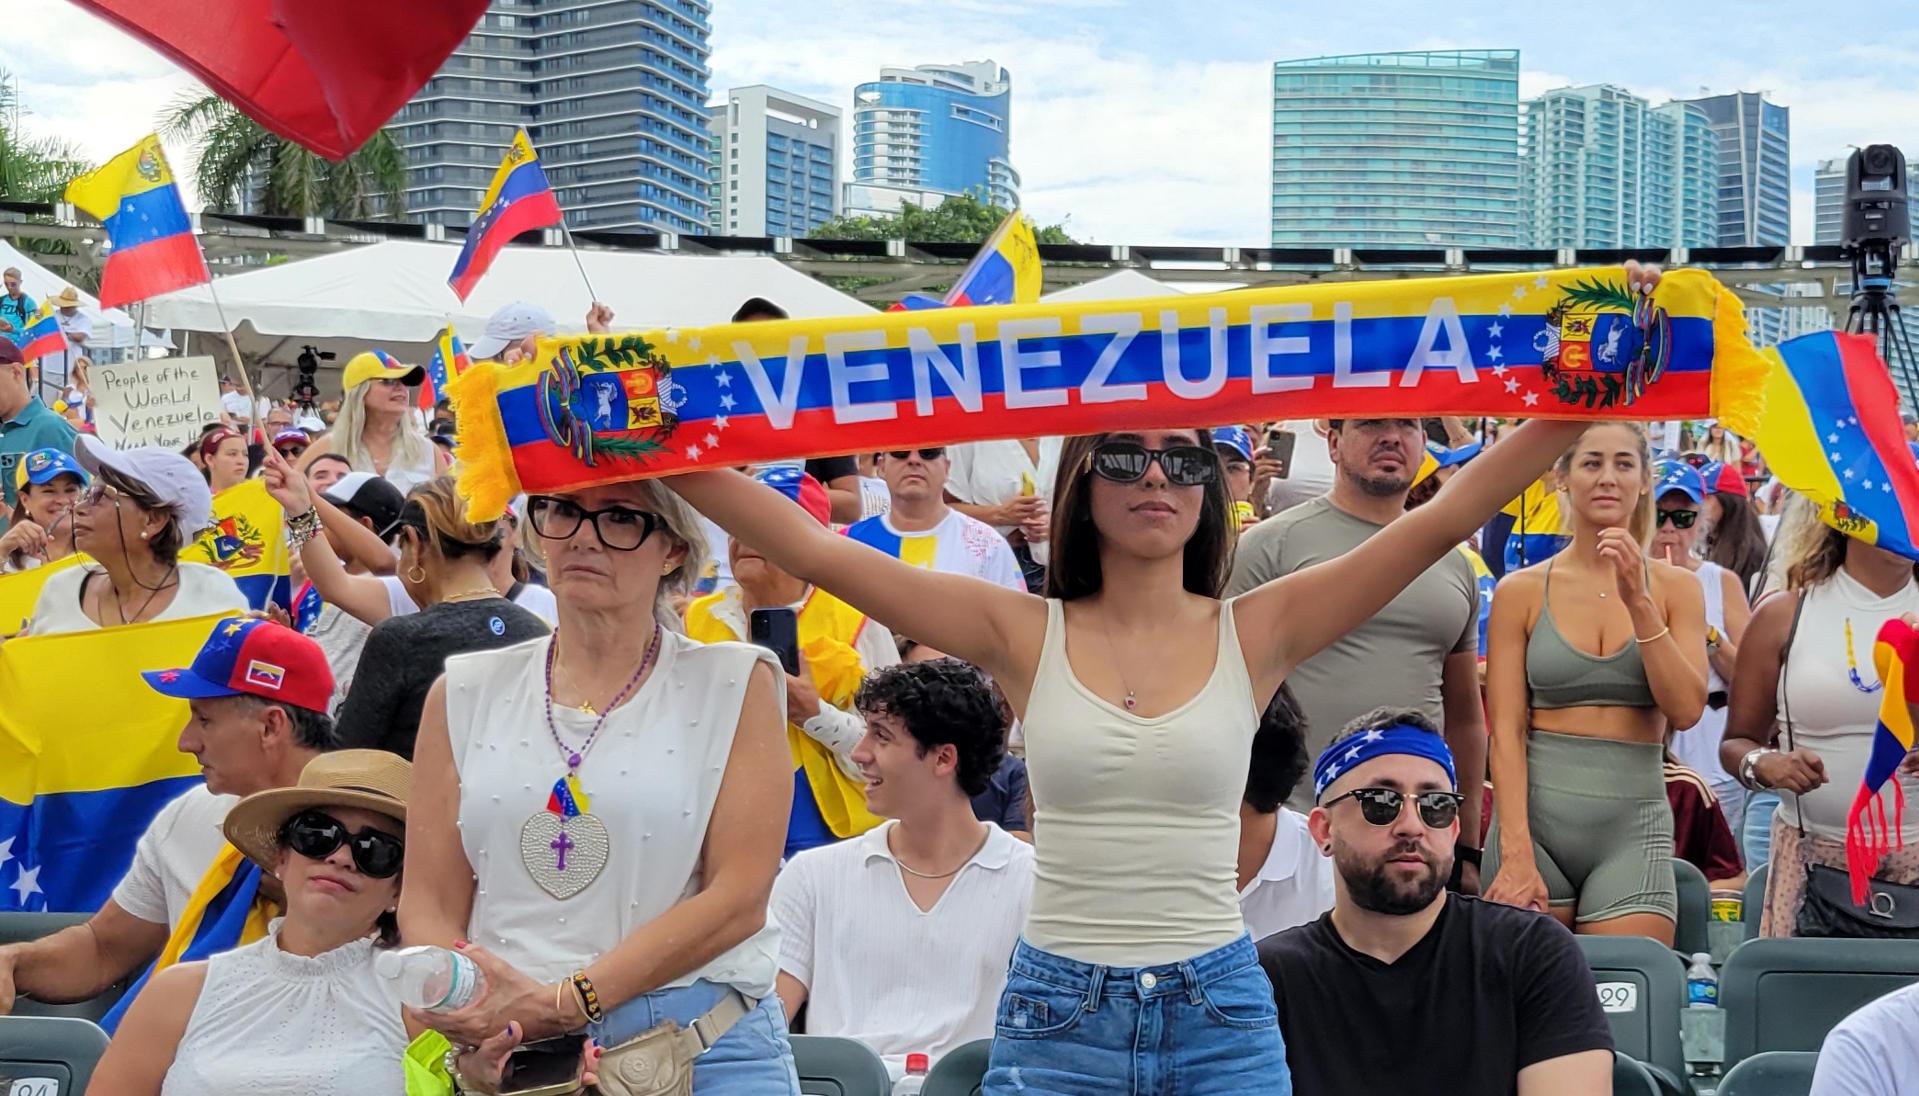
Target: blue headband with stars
(1400, 738)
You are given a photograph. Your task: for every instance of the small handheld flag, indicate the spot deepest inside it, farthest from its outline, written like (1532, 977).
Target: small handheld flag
(518, 200)
(43, 335)
(1870, 835)
(154, 251)
(449, 360)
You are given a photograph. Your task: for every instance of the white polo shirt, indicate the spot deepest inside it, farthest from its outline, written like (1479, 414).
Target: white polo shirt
(1872, 1050)
(879, 970)
(1294, 886)
(173, 855)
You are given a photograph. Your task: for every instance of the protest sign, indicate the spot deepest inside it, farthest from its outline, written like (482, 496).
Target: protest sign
(155, 401)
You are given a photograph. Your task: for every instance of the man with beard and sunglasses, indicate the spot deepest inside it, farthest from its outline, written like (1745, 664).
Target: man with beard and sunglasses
(257, 695)
(1404, 987)
(923, 530)
(1422, 650)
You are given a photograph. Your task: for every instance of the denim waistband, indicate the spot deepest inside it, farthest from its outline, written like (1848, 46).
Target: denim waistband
(1167, 979)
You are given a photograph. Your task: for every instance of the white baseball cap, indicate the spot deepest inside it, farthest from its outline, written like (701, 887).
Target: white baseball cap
(510, 324)
(171, 478)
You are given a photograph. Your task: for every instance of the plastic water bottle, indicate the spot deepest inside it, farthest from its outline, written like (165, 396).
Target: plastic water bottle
(431, 978)
(1702, 985)
(916, 1066)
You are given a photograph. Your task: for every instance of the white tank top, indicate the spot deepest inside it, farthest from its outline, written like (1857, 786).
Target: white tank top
(651, 779)
(1697, 747)
(1136, 819)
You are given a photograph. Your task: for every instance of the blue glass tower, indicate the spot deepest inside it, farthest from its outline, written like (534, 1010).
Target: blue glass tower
(940, 128)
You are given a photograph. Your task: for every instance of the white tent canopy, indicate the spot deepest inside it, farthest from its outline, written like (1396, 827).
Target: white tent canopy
(112, 327)
(394, 296)
(1120, 285)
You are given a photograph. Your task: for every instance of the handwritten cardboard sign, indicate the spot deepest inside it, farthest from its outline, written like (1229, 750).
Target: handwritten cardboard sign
(155, 401)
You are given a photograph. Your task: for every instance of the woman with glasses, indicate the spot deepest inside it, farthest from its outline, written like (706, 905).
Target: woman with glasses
(378, 428)
(601, 813)
(301, 1011)
(1140, 691)
(143, 506)
(443, 567)
(1592, 656)
(50, 483)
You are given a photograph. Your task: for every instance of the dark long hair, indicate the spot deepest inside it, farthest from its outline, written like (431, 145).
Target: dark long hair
(1738, 543)
(1074, 571)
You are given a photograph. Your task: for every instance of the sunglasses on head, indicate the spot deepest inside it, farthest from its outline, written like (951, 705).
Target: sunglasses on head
(1381, 806)
(316, 834)
(1681, 519)
(1127, 462)
(925, 454)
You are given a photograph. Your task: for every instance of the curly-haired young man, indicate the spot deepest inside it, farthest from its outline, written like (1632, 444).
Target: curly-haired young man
(900, 937)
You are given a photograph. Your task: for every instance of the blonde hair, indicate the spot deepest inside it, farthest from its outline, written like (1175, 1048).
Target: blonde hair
(1640, 523)
(443, 512)
(411, 449)
(681, 522)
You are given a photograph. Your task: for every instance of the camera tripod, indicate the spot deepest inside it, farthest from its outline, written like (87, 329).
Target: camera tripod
(1875, 310)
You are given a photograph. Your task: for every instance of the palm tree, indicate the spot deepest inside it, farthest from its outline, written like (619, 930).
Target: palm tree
(32, 169)
(234, 154)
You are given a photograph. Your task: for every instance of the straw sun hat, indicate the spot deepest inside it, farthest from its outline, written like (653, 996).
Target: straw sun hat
(372, 780)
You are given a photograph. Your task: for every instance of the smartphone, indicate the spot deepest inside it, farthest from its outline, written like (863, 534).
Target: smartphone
(1279, 446)
(549, 1067)
(778, 630)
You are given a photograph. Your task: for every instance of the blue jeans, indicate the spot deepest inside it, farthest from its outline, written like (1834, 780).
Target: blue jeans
(1755, 836)
(1202, 1027)
(753, 1058)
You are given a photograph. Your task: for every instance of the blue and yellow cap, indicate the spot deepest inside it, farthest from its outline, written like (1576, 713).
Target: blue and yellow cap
(42, 465)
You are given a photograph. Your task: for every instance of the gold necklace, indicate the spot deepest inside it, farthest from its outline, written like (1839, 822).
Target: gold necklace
(584, 705)
(470, 595)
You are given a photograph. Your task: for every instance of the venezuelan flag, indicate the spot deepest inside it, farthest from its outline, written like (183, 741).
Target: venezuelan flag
(449, 360)
(21, 591)
(43, 335)
(1527, 530)
(1870, 835)
(83, 771)
(1831, 432)
(518, 200)
(248, 542)
(224, 911)
(154, 251)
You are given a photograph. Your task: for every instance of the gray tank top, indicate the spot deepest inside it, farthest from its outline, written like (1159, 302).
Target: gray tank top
(1560, 675)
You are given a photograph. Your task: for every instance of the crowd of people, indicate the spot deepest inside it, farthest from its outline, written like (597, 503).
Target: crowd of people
(1172, 761)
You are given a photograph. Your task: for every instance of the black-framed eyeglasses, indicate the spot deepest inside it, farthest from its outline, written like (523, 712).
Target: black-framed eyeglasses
(620, 528)
(1381, 806)
(925, 454)
(1681, 519)
(1127, 462)
(315, 835)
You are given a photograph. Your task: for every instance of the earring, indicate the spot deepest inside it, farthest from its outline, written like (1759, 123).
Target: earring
(144, 534)
(666, 570)
(416, 573)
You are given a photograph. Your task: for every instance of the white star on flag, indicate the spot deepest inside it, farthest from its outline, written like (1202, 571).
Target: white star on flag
(6, 850)
(722, 378)
(1519, 293)
(1885, 487)
(1540, 281)
(1848, 473)
(693, 343)
(692, 452)
(1499, 370)
(1852, 420)
(712, 441)
(26, 884)
(1492, 353)
(726, 403)
(1531, 398)
(1832, 439)
(1496, 330)
(719, 421)
(1512, 384)
(1867, 484)
(673, 335)
(1505, 308)
(1834, 456)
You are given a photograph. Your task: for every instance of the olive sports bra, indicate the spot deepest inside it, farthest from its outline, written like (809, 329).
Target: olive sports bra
(1560, 675)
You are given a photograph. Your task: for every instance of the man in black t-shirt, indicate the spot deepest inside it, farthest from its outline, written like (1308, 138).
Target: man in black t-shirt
(1403, 987)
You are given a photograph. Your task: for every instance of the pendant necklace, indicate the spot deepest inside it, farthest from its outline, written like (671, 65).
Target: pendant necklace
(1131, 701)
(1852, 666)
(564, 846)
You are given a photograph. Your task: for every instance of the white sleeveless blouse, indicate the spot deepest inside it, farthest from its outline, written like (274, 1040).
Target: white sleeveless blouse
(651, 778)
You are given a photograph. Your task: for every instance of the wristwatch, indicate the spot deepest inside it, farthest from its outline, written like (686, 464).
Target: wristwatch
(1748, 771)
(1467, 854)
(1712, 638)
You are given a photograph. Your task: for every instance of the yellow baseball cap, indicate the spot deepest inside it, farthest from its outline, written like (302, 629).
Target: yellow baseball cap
(378, 364)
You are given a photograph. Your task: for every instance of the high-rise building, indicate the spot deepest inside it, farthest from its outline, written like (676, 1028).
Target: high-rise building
(944, 128)
(1828, 201)
(776, 158)
(1755, 192)
(612, 92)
(1397, 149)
(1600, 167)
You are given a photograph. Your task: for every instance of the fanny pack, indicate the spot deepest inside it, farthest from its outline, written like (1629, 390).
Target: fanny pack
(659, 1060)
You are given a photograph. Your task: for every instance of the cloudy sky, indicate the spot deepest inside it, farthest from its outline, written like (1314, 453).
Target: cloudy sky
(1135, 123)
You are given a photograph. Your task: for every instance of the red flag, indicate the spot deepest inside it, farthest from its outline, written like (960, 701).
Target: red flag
(326, 75)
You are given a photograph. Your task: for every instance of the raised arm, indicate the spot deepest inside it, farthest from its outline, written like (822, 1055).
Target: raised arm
(1292, 618)
(1671, 634)
(362, 596)
(997, 629)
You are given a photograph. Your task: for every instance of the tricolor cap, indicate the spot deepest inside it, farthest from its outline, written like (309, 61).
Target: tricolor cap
(1234, 438)
(378, 364)
(801, 488)
(255, 657)
(1677, 475)
(291, 437)
(42, 465)
(511, 323)
(1720, 476)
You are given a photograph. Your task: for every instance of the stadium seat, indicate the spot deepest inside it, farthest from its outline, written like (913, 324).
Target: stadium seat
(1695, 908)
(1642, 987)
(832, 1066)
(1629, 1078)
(59, 1049)
(1771, 1073)
(1754, 902)
(1787, 994)
(16, 928)
(961, 1072)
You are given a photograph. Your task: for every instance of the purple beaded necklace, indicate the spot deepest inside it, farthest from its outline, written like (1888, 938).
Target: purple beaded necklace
(575, 757)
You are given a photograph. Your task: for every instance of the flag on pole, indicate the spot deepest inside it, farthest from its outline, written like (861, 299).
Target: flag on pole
(518, 200)
(154, 251)
(43, 335)
(449, 360)
(1006, 271)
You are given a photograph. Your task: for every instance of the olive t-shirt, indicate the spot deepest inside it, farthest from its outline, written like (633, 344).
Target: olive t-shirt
(1396, 658)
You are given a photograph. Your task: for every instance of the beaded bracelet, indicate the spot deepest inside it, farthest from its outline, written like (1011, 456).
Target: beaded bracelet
(589, 997)
(302, 528)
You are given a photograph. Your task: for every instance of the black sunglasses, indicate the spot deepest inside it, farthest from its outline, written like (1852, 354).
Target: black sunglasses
(1681, 519)
(925, 454)
(316, 834)
(1127, 462)
(620, 528)
(1381, 806)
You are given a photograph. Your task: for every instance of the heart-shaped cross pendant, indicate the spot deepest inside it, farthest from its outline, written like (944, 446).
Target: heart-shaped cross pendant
(564, 855)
